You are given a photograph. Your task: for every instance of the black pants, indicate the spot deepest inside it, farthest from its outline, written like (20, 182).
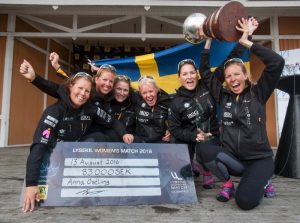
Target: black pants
(254, 173)
(142, 139)
(95, 137)
(99, 133)
(191, 147)
(195, 147)
(204, 146)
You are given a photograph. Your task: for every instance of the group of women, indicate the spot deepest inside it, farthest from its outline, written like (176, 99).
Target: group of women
(106, 108)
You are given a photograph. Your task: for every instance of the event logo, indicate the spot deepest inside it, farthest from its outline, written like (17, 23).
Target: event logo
(178, 184)
(175, 176)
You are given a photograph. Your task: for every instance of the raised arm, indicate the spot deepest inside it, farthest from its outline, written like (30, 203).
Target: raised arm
(60, 71)
(94, 68)
(27, 71)
(273, 62)
(46, 86)
(213, 83)
(238, 50)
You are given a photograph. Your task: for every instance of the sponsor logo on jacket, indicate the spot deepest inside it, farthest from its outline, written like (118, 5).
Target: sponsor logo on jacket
(228, 105)
(102, 114)
(45, 135)
(61, 132)
(144, 113)
(227, 115)
(68, 119)
(49, 120)
(186, 105)
(85, 117)
(193, 114)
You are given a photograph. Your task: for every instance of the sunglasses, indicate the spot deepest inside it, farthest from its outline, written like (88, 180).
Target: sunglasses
(123, 77)
(233, 60)
(82, 74)
(185, 61)
(145, 77)
(108, 66)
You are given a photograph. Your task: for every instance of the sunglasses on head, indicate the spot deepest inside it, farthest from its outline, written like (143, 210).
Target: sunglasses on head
(145, 77)
(82, 74)
(185, 61)
(108, 66)
(233, 60)
(123, 77)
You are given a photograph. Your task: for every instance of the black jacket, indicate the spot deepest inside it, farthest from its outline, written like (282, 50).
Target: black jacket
(61, 122)
(243, 129)
(103, 102)
(125, 113)
(191, 109)
(151, 122)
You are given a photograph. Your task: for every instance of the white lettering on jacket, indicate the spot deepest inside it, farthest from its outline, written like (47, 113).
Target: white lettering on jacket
(144, 113)
(193, 114)
(227, 115)
(85, 117)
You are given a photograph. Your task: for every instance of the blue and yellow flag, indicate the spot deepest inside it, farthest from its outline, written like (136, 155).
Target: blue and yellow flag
(163, 65)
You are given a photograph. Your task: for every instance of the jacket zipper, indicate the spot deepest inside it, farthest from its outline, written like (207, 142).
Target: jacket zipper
(260, 129)
(238, 126)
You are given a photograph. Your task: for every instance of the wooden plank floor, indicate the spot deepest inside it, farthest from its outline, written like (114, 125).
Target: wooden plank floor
(285, 207)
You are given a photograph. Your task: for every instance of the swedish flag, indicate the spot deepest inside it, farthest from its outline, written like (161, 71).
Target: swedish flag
(163, 65)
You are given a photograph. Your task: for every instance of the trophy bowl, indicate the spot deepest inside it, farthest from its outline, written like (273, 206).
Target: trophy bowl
(219, 25)
(191, 27)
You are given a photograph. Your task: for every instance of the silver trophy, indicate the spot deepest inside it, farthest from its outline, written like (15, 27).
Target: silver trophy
(203, 122)
(192, 27)
(218, 25)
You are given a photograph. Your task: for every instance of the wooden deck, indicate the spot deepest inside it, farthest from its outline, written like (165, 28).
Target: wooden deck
(285, 207)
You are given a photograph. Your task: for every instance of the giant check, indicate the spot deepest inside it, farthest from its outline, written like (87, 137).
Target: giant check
(84, 173)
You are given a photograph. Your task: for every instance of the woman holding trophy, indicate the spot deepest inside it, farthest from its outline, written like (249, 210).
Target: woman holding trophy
(245, 150)
(195, 123)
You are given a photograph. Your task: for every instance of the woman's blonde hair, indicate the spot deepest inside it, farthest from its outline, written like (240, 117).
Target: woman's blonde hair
(240, 63)
(107, 67)
(147, 80)
(80, 75)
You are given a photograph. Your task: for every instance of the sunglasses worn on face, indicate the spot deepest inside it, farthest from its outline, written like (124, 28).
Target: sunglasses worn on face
(185, 61)
(231, 61)
(108, 66)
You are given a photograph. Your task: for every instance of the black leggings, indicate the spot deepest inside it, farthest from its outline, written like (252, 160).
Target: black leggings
(194, 147)
(95, 137)
(101, 135)
(254, 173)
(204, 146)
